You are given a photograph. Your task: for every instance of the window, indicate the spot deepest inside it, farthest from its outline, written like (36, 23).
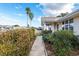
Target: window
(66, 22)
(57, 26)
(49, 28)
(47, 24)
(71, 28)
(66, 27)
(71, 20)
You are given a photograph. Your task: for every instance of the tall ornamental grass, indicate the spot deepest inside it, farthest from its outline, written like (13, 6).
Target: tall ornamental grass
(16, 42)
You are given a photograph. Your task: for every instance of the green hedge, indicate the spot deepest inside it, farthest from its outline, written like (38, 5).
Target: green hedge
(46, 35)
(16, 42)
(64, 41)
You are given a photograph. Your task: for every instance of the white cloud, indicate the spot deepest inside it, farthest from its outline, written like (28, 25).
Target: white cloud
(19, 14)
(39, 18)
(53, 9)
(4, 20)
(36, 21)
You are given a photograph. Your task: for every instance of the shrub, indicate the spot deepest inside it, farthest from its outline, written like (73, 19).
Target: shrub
(32, 33)
(63, 42)
(46, 35)
(46, 31)
(16, 42)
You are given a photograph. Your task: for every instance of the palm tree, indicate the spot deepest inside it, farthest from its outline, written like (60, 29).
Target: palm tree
(27, 12)
(29, 15)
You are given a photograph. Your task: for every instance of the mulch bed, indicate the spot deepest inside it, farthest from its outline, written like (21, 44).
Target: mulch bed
(50, 50)
(75, 52)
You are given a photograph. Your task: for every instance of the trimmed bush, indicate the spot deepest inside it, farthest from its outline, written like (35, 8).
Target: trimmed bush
(64, 41)
(46, 35)
(16, 42)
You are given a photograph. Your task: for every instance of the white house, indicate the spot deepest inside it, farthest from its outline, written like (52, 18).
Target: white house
(68, 22)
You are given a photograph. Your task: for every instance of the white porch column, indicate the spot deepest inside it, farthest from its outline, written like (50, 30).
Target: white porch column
(45, 27)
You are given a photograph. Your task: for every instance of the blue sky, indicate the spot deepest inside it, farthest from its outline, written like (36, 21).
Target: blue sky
(14, 13)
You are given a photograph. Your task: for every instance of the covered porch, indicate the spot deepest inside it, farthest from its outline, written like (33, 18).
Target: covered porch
(54, 26)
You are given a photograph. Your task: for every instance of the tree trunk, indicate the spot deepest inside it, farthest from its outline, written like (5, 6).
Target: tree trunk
(27, 20)
(30, 23)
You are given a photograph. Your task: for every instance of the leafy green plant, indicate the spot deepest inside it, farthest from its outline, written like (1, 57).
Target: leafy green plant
(46, 35)
(63, 42)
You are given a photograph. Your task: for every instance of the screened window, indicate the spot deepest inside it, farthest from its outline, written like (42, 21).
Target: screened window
(71, 28)
(66, 22)
(57, 26)
(66, 27)
(71, 20)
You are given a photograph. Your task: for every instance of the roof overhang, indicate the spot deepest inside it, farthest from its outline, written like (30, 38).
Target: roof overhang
(49, 19)
(59, 19)
(69, 16)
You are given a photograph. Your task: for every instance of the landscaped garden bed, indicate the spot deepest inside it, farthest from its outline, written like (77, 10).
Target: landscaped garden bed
(16, 42)
(61, 43)
(50, 50)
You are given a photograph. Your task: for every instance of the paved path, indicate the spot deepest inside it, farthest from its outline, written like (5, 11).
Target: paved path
(38, 48)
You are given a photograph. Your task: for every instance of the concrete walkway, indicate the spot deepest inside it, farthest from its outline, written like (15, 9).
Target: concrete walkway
(38, 48)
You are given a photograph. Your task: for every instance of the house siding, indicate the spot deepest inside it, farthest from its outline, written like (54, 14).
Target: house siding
(76, 25)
